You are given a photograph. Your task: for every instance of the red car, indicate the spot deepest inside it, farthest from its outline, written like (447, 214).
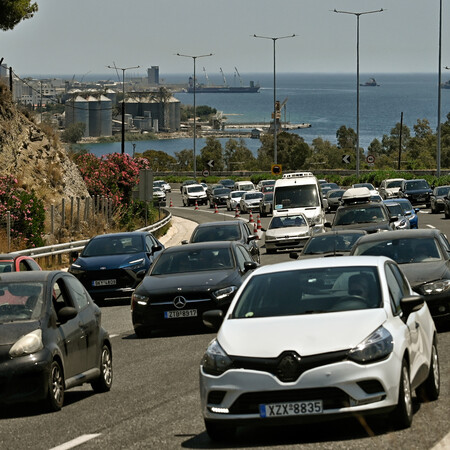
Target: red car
(13, 262)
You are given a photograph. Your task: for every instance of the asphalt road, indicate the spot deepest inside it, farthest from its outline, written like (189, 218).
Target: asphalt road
(154, 402)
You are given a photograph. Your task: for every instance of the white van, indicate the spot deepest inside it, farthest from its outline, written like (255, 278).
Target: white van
(192, 193)
(299, 192)
(244, 186)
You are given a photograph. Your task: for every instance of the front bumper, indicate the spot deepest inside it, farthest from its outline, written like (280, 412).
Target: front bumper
(345, 388)
(286, 243)
(25, 378)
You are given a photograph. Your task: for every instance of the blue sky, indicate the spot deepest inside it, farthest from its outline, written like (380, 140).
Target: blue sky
(77, 37)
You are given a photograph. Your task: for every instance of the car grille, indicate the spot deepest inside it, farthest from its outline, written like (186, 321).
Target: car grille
(289, 365)
(248, 403)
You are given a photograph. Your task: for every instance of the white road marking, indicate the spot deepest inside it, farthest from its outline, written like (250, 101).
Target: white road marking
(75, 442)
(443, 444)
(430, 226)
(113, 335)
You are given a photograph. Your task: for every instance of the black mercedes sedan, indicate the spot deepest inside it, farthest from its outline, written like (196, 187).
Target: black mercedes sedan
(187, 280)
(51, 339)
(423, 256)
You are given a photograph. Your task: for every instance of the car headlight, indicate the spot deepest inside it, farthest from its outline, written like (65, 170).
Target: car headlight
(135, 264)
(435, 287)
(375, 347)
(215, 361)
(220, 294)
(76, 269)
(30, 343)
(139, 299)
(402, 224)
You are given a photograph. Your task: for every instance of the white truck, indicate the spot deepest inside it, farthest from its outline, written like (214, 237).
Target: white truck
(299, 192)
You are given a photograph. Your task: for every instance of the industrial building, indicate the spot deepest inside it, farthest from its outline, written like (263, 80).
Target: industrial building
(153, 75)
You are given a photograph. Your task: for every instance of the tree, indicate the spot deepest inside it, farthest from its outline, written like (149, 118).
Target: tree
(238, 156)
(159, 161)
(13, 11)
(212, 151)
(346, 138)
(73, 133)
(185, 159)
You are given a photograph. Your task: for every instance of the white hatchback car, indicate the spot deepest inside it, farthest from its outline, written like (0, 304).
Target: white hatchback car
(319, 339)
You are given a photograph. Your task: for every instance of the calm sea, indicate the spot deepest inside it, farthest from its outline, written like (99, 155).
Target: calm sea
(325, 101)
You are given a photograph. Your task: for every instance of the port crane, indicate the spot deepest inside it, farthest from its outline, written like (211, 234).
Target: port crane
(239, 75)
(206, 76)
(223, 76)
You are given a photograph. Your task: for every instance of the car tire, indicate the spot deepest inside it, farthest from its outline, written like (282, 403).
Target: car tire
(55, 393)
(447, 215)
(142, 332)
(403, 414)
(429, 390)
(104, 382)
(219, 432)
(433, 210)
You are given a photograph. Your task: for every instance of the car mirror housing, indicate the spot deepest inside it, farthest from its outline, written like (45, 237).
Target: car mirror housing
(393, 219)
(327, 224)
(411, 303)
(67, 313)
(293, 255)
(213, 318)
(250, 265)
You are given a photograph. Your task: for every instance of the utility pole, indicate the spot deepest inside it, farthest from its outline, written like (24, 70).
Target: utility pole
(123, 100)
(275, 109)
(194, 57)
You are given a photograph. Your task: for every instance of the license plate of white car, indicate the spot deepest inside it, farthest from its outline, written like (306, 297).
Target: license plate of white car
(180, 313)
(104, 282)
(291, 409)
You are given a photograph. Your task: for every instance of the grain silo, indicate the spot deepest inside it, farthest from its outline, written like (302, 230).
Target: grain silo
(94, 116)
(105, 116)
(77, 111)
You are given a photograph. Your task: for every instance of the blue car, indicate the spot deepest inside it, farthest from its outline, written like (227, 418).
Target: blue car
(112, 265)
(408, 210)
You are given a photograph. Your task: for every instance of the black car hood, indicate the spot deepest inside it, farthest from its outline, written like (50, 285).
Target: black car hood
(369, 227)
(418, 191)
(185, 282)
(11, 332)
(420, 273)
(108, 261)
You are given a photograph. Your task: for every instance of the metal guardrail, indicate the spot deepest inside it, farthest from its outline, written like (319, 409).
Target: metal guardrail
(77, 246)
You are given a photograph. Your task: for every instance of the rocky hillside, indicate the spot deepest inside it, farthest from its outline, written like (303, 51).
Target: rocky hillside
(36, 158)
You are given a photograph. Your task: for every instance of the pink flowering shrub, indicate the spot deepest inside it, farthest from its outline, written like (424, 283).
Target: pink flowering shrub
(113, 175)
(26, 210)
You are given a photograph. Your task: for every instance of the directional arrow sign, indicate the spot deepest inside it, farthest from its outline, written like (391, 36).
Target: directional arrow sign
(346, 159)
(211, 163)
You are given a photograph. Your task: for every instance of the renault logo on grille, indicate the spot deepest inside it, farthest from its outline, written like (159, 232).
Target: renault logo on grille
(179, 302)
(289, 367)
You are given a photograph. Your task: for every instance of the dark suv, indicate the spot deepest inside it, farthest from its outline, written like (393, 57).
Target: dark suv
(230, 230)
(112, 265)
(418, 192)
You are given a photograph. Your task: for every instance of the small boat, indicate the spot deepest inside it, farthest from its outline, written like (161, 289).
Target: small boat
(370, 82)
(446, 85)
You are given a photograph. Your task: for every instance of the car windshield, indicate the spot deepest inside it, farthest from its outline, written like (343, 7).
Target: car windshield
(330, 243)
(6, 266)
(198, 260)
(253, 195)
(406, 207)
(394, 184)
(216, 233)
(395, 209)
(333, 194)
(367, 185)
(268, 197)
(191, 189)
(300, 196)
(221, 191)
(20, 301)
(113, 245)
(416, 184)
(363, 214)
(287, 221)
(403, 251)
(309, 291)
(236, 194)
(443, 190)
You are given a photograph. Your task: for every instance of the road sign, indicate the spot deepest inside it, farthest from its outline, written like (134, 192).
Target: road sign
(211, 163)
(370, 159)
(346, 159)
(276, 169)
(205, 172)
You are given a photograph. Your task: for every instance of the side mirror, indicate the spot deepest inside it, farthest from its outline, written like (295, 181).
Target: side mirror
(67, 313)
(252, 237)
(293, 255)
(156, 248)
(325, 203)
(73, 256)
(327, 224)
(213, 319)
(393, 219)
(411, 304)
(184, 242)
(250, 265)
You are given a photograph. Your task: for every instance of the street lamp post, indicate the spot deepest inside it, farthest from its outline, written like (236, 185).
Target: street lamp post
(438, 131)
(274, 39)
(357, 14)
(194, 57)
(123, 100)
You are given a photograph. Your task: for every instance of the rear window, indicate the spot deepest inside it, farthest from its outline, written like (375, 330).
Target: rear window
(225, 233)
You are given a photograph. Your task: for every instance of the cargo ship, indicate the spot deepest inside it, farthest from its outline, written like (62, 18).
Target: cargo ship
(219, 88)
(370, 82)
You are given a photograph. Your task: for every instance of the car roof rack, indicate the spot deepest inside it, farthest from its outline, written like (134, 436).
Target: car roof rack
(356, 195)
(298, 175)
